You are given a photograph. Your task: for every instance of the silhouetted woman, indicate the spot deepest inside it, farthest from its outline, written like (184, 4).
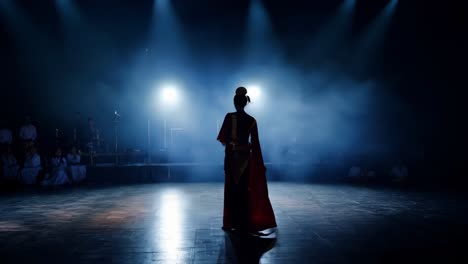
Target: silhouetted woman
(246, 203)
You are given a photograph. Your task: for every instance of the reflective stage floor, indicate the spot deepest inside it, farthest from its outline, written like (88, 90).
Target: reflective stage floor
(180, 223)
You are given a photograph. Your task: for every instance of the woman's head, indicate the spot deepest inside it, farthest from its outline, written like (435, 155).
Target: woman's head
(58, 151)
(73, 149)
(241, 99)
(33, 150)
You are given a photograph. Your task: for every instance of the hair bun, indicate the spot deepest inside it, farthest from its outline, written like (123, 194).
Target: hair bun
(241, 91)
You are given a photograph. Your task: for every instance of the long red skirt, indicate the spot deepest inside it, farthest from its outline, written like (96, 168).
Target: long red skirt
(246, 202)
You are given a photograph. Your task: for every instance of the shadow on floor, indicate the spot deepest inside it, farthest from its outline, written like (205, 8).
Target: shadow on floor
(245, 248)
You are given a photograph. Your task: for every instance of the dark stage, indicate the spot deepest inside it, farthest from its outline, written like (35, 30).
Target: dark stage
(120, 121)
(180, 223)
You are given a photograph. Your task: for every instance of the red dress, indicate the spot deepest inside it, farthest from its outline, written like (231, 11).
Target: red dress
(246, 201)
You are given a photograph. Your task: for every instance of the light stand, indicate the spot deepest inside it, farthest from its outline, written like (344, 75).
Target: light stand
(148, 150)
(165, 134)
(116, 122)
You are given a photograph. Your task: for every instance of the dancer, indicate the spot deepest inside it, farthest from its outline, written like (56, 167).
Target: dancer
(246, 203)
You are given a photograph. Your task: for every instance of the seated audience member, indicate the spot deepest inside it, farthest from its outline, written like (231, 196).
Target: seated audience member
(6, 137)
(28, 133)
(58, 170)
(76, 169)
(399, 172)
(31, 168)
(10, 166)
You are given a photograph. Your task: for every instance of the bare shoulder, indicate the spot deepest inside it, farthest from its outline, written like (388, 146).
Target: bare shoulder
(251, 119)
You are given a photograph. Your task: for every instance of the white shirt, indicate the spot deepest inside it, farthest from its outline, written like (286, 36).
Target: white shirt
(58, 162)
(28, 132)
(73, 159)
(9, 160)
(33, 162)
(5, 136)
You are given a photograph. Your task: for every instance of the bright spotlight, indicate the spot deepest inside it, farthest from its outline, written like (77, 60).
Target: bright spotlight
(254, 91)
(169, 94)
(258, 97)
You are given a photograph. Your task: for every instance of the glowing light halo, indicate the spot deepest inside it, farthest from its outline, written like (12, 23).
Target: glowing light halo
(254, 91)
(169, 94)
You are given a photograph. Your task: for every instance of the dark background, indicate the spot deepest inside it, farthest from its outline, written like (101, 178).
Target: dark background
(53, 67)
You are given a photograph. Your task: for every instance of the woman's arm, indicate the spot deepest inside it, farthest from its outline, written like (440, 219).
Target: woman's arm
(36, 161)
(256, 149)
(223, 135)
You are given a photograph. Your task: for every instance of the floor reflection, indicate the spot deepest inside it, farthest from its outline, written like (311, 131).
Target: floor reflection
(169, 223)
(12, 226)
(181, 223)
(245, 248)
